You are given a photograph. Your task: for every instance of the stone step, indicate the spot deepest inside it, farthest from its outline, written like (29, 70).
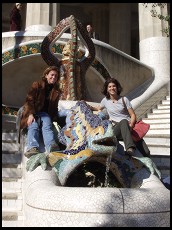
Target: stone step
(15, 166)
(152, 143)
(152, 139)
(163, 107)
(158, 131)
(157, 136)
(11, 158)
(9, 136)
(159, 126)
(12, 173)
(13, 147)
(159, 116)
(6, 179)
(12, 186)
(12, 204)
(161, 161)
(158, 150)
(8, 123)
(7, 215)
(157, 121)
(11, 195)
(11, 152)
(165, 102)
(164, 111)
(168, 97)
(8, 119)
(15, 223)
(11, 215)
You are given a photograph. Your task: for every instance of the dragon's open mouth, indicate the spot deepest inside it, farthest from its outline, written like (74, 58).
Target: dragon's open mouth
(107, 141)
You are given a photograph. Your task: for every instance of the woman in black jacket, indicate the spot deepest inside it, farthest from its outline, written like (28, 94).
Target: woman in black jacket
(15, 18)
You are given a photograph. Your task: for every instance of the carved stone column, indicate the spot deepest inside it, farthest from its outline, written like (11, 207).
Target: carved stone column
(154, 44)
(55, 12)
(42, 13)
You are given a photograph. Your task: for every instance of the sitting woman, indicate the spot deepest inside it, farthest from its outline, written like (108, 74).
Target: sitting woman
(40, 111)
(122, 120)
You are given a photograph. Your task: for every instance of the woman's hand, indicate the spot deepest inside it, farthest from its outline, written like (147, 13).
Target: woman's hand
(132, 118)
(131, 125)
(30, 119)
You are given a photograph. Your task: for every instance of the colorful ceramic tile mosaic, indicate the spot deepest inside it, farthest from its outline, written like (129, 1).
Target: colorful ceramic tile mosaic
(9, 111)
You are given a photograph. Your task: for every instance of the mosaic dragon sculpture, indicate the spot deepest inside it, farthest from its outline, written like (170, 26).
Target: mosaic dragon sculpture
(72, 82)
(87, 137)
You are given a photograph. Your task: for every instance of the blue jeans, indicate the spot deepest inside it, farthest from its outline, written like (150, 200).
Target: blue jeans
(35, 129)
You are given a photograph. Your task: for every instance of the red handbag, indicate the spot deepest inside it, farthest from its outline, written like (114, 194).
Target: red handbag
(140, 129)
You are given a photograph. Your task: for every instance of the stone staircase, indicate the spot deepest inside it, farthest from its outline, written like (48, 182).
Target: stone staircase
(12, 198)
(157, 138)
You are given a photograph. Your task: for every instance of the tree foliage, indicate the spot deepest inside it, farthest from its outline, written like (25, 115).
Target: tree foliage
(160, 16)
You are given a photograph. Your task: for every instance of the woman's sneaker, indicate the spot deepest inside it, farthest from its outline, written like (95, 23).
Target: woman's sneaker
(31, 152)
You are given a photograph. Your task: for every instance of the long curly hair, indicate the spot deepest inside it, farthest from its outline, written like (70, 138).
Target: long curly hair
(116, 82)
(50, 68)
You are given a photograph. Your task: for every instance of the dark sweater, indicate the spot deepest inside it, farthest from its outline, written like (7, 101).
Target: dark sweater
(15, 20)
(48, 89)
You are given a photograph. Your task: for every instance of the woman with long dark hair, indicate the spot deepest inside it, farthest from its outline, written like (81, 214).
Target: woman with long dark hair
(122, 120)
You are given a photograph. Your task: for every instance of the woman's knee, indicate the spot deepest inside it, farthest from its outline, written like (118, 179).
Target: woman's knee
(46, 121)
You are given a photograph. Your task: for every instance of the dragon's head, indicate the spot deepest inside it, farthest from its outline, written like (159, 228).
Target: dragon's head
(85, 130)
